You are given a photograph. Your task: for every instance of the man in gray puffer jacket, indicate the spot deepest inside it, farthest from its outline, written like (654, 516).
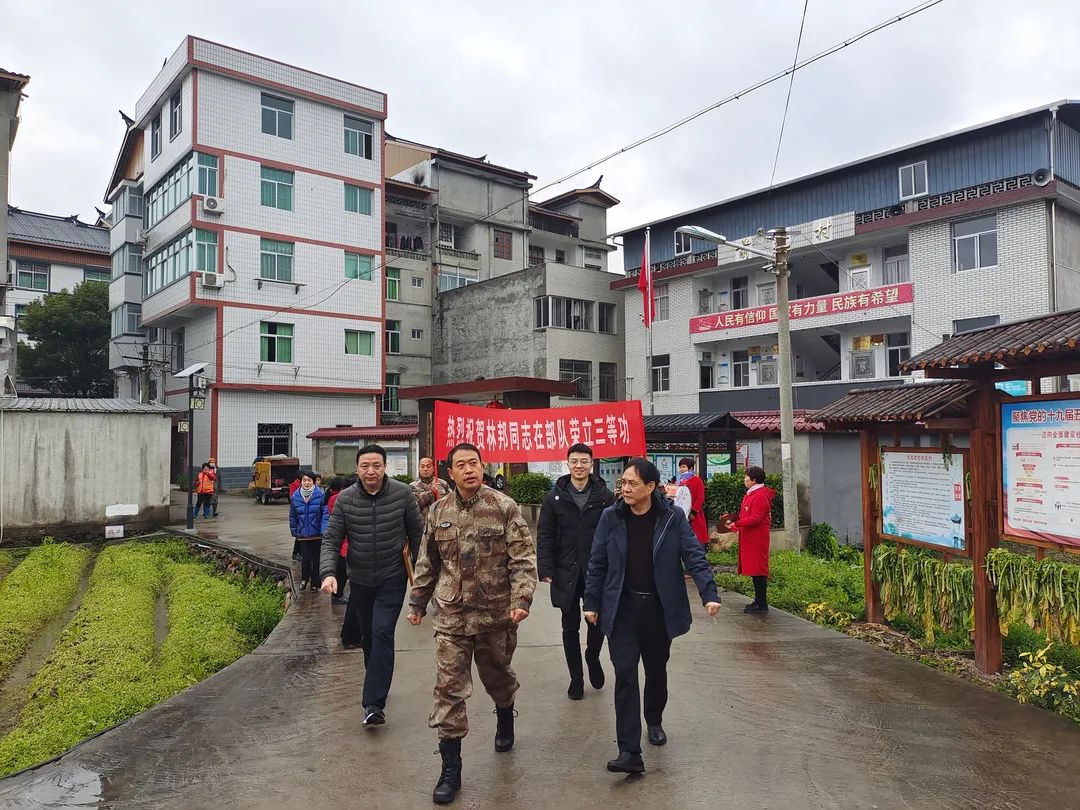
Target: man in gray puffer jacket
(380, 517)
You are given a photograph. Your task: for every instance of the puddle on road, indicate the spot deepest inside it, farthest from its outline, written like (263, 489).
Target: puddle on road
(70, 787)
(13, 689)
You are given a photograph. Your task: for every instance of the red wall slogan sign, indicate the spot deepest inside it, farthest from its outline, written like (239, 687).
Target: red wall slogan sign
(611, 429)
(887, 296)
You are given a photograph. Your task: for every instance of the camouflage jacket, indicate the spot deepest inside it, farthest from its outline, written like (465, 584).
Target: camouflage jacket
(477, 560)
(427, 494)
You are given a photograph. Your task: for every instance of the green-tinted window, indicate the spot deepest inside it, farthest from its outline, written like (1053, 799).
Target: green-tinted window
(208, 175)
(358, 136)
(206, 251)
(277, 189)
(358, 266)
(357, 342)
(276, 342)
(393, 283)
(357, 199)
(276, 260)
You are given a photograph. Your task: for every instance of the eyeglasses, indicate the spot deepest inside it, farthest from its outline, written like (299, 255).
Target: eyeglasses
(580, 462)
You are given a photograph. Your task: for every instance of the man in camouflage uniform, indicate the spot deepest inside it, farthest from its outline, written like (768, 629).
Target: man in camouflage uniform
(428, 488)
(478, 561)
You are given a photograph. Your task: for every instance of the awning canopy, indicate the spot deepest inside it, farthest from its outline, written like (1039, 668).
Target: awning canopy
(769, 421)
(372, 432)
(689, 423)
(913, 402)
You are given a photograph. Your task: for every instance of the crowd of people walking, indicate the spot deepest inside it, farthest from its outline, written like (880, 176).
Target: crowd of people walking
(460, 547)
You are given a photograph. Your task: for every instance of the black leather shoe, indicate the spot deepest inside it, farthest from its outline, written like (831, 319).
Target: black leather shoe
(373, 716)
(627, 763)
(596, 672)
(577, 689)
(657, 735)
(754, 607)
(450, 777)
(504, 729)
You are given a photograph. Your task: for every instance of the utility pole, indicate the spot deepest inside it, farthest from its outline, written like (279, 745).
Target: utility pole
(787, 416)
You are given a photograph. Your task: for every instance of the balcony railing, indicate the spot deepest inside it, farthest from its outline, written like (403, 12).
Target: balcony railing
(854, 302)
(454, 253)
(418, 255)
(542, 223)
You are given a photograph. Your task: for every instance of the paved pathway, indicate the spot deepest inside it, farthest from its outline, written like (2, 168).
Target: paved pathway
(766, 712)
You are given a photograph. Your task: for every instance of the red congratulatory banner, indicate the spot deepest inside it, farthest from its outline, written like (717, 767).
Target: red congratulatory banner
(888, 296)
(512, 436)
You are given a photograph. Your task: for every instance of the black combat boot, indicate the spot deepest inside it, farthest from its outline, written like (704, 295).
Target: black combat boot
(450, 777)
(504, 729)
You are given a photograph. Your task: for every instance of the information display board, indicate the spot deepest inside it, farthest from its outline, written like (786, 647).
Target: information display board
(1040, 470)
(922, 497)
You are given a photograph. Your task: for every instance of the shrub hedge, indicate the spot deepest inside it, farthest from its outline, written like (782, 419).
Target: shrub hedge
(528, 487)
(724, 493)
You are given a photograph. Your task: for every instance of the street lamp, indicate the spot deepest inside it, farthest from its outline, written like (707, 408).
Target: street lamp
(778, 257)
(195, 383)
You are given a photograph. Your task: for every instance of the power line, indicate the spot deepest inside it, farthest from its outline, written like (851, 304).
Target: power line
(787, 101)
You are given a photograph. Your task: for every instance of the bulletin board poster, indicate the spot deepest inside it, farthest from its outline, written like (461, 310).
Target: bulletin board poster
(666, 464)
(1040, 470)
(922, 497)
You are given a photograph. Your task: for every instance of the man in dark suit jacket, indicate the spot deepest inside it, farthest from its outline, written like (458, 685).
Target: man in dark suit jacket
(635, 591)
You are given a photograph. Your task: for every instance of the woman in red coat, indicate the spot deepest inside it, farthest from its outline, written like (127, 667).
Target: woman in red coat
(692, 481)
(755, 516)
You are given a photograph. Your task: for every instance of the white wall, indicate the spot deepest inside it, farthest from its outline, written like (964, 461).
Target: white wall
(171, 149)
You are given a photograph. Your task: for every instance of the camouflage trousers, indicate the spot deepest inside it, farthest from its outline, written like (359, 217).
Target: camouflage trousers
(454, 656)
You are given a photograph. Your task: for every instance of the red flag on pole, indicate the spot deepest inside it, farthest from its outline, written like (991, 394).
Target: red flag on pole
(644, 283)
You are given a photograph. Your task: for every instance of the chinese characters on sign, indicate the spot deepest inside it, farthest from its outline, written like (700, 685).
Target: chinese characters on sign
(922, 497)
(1041, 470)
(888, 296)
(512, 436)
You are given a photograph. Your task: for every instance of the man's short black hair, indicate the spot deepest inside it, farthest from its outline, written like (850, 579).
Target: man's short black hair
(645, 469)
(580, 448)
(687, 462)
(370, 448)
(462, 446)
(756, 474)
(307, 474)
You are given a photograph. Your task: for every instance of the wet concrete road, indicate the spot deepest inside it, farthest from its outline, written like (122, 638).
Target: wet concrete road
(765, 712)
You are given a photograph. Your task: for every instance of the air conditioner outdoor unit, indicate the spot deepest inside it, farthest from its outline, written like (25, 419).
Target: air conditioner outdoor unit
(213, 205)
(214, 281)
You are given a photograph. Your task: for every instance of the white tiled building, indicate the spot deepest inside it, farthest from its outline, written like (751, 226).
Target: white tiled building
(248, 234)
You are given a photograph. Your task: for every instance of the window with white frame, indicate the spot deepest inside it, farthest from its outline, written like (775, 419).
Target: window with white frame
(417, 282)
(173, 261)
(450, 278)
(127, 260)
(275, 260)
(578, 372)
(358, 136)
(357, 199)
(176, 114)
(740, 292)
(393, 337)
(155, 137)
(898, 346)
(969, 324)
(896, 269)
(359, 342)
(31, 275)
(975, 243)
(95, 275)
(275, 342)
(913, 180)
(447, 235)
(393, 283)
(683, 243)
(276, 188)
(605, 320)
(608, 379)
(766, 294)
(390, 401)
(592, 258)
(128, 203)
(417, 334)
(661, 302)
(206, 251)
(170, 192)
(859, 278)
(358, 266)
(127, 320)
(273, 440)
(277, 116)
(20, 313)
(661, 372)
(740, 369)
(208, 175)
(564, 313)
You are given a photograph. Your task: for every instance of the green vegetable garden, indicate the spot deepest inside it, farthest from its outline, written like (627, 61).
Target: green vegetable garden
(151, 620)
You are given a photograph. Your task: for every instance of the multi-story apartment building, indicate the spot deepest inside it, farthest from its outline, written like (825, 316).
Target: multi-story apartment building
(483, 283)
(247, 234)
(11, 92)
(889, 254)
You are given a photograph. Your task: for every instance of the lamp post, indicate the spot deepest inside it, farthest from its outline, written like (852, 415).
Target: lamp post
(195, 385)
(778, 258)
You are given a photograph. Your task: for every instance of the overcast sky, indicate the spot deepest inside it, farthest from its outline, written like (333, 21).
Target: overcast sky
(549, 87)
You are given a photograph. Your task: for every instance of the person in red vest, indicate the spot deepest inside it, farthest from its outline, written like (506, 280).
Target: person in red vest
(755, 517)
(692, 481)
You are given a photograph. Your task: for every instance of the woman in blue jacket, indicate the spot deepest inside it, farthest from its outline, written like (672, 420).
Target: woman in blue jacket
(308, 517)
(636, 593)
